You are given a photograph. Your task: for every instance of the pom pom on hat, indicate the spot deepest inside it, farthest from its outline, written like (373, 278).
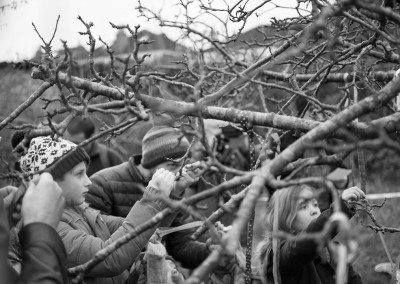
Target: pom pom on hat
(56, 156)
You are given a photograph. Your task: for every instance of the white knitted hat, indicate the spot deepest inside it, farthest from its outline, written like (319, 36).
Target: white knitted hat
(55, 156)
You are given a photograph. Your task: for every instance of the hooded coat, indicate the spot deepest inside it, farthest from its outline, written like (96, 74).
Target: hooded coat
(84, 231)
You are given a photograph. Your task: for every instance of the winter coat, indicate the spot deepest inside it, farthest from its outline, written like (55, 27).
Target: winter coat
(102, 157)
(43, 254)
(116, 189)
(300, 262)
(85, 231)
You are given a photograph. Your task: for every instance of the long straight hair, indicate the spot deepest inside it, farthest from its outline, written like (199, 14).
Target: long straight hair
(287, 210)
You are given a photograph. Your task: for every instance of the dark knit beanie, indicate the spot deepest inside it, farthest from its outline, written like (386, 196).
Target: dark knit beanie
(56, 156)
(160, 143)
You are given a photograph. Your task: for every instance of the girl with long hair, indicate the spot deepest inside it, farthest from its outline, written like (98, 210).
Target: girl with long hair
(300, 260)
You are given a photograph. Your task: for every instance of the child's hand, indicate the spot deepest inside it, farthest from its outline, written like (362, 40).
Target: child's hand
(213, 244)
(163, 180)
(353, 194)
(213, 241)
(190, 174)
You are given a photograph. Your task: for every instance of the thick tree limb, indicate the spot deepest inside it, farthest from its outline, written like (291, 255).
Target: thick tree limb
(342, 77)
(389, 123)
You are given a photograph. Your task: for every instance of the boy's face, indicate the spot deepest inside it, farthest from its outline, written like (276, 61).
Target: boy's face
(169, 166)
(75, 184)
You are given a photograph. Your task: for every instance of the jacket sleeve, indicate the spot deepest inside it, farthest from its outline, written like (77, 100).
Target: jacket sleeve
(294, 254)
(100, 194)
(188, 252)
(113, 222)
(81, 247)
(43, 255)
(7, 274)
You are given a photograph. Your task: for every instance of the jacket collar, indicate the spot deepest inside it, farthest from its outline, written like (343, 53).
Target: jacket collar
(74, 213)
(135, 172)
(87, 217)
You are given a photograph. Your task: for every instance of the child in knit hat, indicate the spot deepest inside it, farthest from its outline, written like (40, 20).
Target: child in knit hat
(85, 231)
(164, 147)
(115, 189)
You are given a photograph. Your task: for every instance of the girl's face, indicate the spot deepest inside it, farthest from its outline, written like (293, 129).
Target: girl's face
(307, 211)
(75, 184)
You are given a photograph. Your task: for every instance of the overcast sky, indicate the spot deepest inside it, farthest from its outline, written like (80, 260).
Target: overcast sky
(19, 40)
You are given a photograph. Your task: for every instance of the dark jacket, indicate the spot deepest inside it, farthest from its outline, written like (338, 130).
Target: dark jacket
(102, 157)
(300, 262)
(115, 190)
(43, 254)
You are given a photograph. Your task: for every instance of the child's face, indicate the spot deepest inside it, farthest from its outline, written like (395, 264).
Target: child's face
(307, 211)
(75, 184)
(169, 166)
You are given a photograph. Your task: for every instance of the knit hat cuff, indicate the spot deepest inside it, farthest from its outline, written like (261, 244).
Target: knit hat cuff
(150, 161)
(67, 162)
